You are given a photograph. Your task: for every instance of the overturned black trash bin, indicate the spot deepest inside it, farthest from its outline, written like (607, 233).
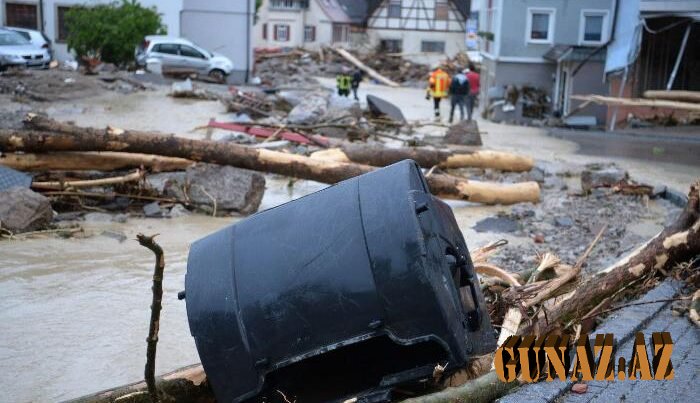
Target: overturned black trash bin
(370, 277)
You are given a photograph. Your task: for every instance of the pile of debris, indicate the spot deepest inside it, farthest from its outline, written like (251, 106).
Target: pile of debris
(57, 85)
(278, 68)
(517, 105)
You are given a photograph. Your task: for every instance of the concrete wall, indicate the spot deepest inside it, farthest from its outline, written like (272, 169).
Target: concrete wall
(169, 10)
(224, 27)
(589, 80)
(567, 24)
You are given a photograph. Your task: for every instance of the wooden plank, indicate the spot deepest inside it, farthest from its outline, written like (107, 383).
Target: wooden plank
(599, 99)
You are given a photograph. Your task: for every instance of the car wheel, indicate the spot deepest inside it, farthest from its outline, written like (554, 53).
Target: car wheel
(218, 75)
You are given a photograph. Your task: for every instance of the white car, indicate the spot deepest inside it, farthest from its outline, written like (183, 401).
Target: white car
(35, 37)
(179, 53)
(16, 50)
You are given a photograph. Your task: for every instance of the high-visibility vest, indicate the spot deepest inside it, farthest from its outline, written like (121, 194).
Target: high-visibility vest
(439, 83)
(344, 82)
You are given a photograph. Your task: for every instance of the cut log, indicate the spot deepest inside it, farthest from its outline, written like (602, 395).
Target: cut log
(57, 136)
(92, 161)
(185, 384)
(426, 157)
(677, 243)
(599, 99)
(370, 71)
(682, 96)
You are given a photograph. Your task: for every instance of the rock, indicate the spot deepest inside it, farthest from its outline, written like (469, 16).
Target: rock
(233, 137)
(98, 217)
(309, 111)
(23, 210)
(119, 236)
(10, 178)
(536, 174)
(564, 221)
(538, 238)
(120, 218)
(496, 224)
(153, 210)
(181, 87)
(465, 132)
(70, 216)
(579, 388)
(178, 210)
(596, 177)
(233, 189)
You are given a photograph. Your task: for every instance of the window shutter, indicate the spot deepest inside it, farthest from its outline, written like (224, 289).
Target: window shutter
(274, 33)
(289, 33)
(264, 31)
(313, 33)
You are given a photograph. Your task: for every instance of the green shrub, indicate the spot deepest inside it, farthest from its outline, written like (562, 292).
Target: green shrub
(110, 32)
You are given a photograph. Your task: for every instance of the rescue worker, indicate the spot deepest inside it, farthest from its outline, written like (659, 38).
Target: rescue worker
(357, 77)
(343, 83)
(459, 91)
(438, 83)
(474, 79)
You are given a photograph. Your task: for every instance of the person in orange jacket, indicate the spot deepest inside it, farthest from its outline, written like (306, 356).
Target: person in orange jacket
(438, 85)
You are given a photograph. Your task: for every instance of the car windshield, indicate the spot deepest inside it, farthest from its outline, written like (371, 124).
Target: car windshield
(11, 39)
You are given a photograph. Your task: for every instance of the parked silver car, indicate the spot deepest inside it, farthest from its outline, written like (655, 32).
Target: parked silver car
(35, 37)
(16, 50)
(178, 53)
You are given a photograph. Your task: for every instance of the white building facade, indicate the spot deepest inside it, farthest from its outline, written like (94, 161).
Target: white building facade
(223, 26)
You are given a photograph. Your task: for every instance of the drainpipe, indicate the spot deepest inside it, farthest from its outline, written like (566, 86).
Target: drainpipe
(248, 41)
(41, 14)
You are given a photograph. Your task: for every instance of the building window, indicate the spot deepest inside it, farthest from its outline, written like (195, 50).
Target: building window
(189, 51)
(593, 26)
(340, 32)
(21, 15)
(61, 28)
(540, 25)
(309, 33)
(281, 33)
(442, 10)
(432, 46)
(391, 45)
(395, 9)
(264, 31)
(289, 4)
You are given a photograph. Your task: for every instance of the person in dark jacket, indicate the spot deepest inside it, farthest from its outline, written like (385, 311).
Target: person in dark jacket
(357, 77)
(459, 91)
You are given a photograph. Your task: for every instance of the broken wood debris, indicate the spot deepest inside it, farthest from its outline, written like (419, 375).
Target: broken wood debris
(658, 103)
(674, 95)
(57, 136)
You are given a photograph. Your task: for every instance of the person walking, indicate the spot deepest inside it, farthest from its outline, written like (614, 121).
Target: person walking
(438, 83)
(474, 79)
(343, 83)
(357, 77)
(459, 91)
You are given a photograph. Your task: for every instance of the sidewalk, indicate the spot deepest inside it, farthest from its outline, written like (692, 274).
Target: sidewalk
(624, 324)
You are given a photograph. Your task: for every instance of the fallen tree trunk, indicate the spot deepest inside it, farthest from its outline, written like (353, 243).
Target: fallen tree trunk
(426, 157)
(91, 161)
(370, 71)
(677, 243)
(184, 384)
(57, 136)
(682, 96)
